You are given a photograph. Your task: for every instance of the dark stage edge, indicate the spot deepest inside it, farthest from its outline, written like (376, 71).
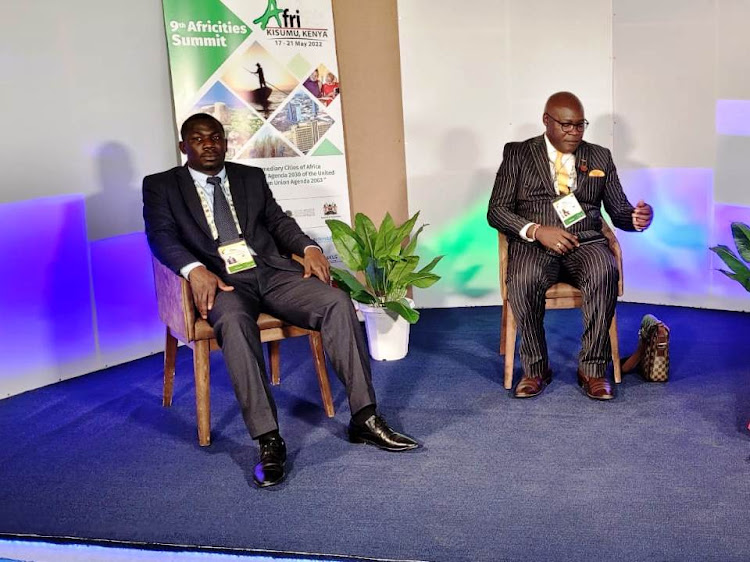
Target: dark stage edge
(660, 473)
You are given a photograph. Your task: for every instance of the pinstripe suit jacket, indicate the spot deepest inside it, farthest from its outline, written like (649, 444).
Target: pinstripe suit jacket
(523, 190)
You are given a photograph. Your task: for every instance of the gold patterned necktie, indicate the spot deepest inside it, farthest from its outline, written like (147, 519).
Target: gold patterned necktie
(561, 175)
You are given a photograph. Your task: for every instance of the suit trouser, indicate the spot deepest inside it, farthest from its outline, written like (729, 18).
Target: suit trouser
(592, 269)
(308, 303)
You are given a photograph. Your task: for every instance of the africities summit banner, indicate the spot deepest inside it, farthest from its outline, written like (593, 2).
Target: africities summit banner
(267, 70)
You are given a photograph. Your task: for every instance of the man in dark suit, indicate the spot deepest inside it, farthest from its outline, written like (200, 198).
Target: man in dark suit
(547, 199)
(217, 224)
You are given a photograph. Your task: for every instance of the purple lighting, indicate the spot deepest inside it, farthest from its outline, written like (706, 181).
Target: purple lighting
(128, 323)
(672, 256)
(733, 117)
(44, 272)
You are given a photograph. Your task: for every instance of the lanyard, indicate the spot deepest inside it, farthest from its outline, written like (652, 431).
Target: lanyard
(210, 214)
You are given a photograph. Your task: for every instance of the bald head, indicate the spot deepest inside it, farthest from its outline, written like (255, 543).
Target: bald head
(562, 100)
(562, 111)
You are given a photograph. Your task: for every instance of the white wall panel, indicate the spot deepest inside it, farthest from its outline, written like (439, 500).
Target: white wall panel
(733, 49)
(664, 88)
(85, 92)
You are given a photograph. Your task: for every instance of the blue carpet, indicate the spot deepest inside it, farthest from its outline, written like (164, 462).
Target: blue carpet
(660, 473)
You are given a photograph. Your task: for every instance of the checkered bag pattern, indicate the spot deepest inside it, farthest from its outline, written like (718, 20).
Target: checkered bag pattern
(654, 339)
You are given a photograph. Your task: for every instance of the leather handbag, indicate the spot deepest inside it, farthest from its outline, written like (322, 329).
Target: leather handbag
(651, 358)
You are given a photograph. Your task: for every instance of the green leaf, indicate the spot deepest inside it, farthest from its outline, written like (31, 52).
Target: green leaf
(348, 244)
(396, 283)
(430, 266)
(423, 280)
(742, 280)
(367, 233)
(383, 239)
(729, 258)
(412, 245)
(403, 267)
(741, 233)
(401, 233)
(348, 283)
(402, 308)
(376, 277)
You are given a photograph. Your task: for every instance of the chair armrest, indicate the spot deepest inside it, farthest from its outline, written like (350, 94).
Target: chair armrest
(614, 247)
(175, 301)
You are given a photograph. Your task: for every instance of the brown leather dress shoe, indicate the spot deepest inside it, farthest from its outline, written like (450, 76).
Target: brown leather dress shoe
(532, 386)
(595, 388)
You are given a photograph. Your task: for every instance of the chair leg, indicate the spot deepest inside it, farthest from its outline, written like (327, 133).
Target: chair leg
(503, 335)
(170, 358)
(510, 346)
(316, 344)
(615, 344)
(274, 357)
(201, 365)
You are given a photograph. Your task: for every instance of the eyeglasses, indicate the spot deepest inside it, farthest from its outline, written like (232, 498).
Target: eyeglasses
(568, 127)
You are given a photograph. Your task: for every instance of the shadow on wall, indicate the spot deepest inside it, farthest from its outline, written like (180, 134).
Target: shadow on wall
(127, 323)
(117, 207)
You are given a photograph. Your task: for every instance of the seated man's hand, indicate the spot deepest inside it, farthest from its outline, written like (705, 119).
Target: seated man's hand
(204, 285)
(556, 239)
(316, 264)
(643, 214)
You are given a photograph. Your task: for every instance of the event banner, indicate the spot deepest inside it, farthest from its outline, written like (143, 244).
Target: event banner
(267, 70)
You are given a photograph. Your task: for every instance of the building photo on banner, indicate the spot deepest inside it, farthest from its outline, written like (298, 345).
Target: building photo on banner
(269, 75)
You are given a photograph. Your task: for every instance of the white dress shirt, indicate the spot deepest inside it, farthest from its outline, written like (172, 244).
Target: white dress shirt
(568, 162)
(206, 193)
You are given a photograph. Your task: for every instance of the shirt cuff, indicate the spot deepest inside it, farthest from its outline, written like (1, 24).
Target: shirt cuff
(185, 271)
(313, 246)
(524, 230)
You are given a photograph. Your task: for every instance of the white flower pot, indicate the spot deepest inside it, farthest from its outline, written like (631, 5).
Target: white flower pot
(387, 332)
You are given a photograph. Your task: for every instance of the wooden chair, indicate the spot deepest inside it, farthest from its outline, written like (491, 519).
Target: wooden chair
(559, 295)
(177, 311)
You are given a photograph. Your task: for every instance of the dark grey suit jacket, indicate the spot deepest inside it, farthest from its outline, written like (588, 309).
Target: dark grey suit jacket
(178, 232)
(524, 191)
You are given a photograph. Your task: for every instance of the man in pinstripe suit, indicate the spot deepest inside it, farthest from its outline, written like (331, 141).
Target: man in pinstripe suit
(527, 205)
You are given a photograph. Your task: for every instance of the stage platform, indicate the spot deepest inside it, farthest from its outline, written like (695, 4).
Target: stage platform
(660, 473)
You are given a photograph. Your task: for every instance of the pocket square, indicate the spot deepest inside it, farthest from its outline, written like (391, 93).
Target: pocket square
(596, 174)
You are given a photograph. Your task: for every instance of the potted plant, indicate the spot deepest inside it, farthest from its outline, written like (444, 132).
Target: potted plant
(385, 257)
(738, 264)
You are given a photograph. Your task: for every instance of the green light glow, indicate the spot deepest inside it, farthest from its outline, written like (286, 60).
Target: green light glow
(471, 265)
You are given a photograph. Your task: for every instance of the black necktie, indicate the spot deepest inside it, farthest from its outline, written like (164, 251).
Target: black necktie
(223, 218)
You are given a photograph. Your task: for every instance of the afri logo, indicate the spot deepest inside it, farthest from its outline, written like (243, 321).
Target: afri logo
(273, 11)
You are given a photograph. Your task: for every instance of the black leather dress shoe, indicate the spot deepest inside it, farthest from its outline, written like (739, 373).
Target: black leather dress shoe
(270, 470)
(376, 432)
(532, 386)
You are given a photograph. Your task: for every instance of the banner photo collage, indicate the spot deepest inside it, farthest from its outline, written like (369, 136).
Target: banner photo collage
(267, 70)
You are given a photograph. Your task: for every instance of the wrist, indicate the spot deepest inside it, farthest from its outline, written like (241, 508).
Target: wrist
(188, 270)
(532, 231)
